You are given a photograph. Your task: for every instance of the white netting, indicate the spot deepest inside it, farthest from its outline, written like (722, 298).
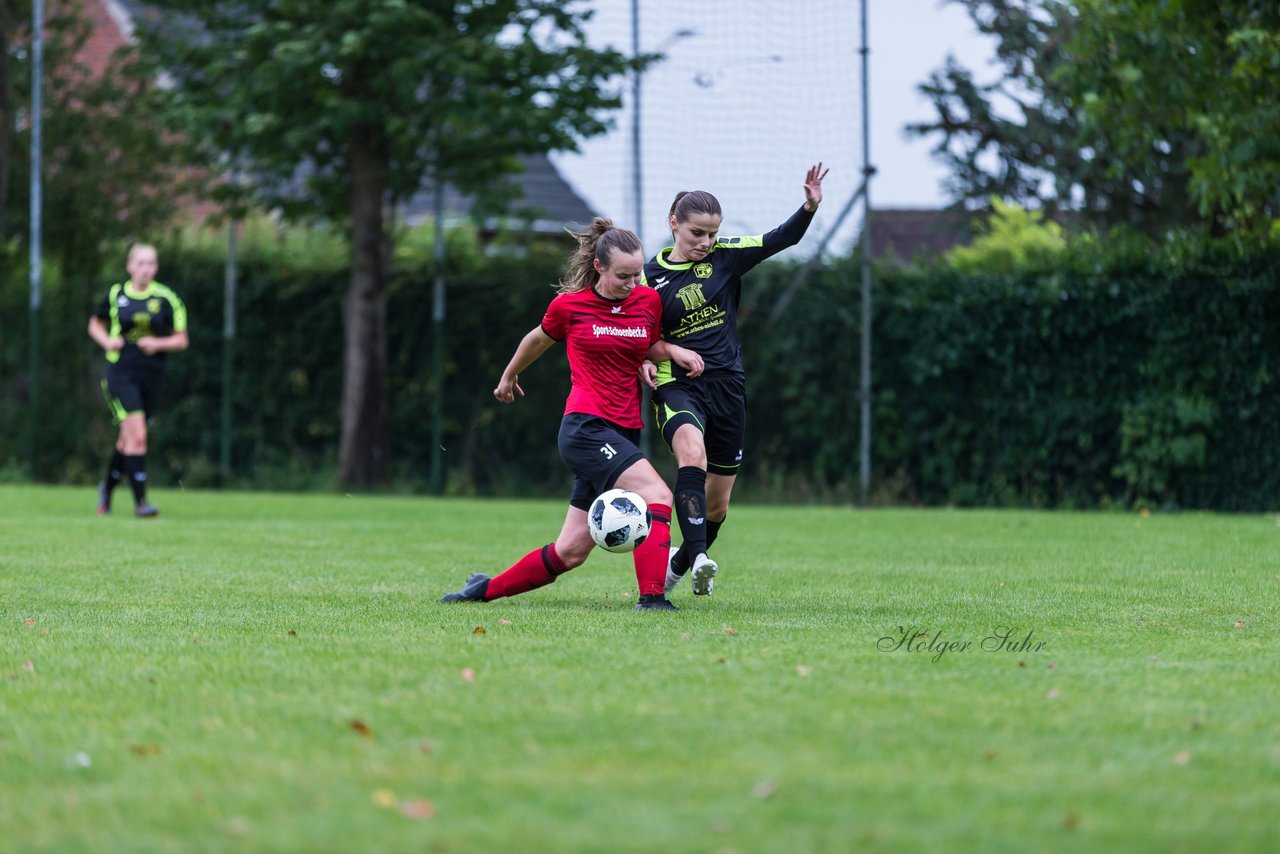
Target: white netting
(751, 93)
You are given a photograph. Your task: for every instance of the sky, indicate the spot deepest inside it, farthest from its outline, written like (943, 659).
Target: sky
(754, 91)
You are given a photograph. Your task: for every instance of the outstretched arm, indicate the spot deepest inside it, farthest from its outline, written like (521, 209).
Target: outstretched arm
(531, 347)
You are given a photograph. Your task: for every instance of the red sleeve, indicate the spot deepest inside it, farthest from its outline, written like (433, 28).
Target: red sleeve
(655, 312)
(556, 321)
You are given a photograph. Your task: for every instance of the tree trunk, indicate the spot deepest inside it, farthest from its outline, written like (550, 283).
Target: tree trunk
(362, 449)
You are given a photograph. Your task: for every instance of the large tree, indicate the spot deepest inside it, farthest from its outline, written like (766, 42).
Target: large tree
(333, 108)
(1155, 115)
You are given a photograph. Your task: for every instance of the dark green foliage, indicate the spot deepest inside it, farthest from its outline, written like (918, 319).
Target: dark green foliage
(1127, 376)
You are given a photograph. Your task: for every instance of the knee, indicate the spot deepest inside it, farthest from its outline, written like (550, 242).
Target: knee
(717, 507)
(657, 493)
(573, 555)
(689, 447)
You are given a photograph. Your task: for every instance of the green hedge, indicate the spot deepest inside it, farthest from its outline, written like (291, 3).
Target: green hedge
(1123, 377)
(1126, 376)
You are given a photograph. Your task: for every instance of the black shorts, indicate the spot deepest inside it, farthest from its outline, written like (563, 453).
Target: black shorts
(597, 452)
(717, 406)
(132, 392)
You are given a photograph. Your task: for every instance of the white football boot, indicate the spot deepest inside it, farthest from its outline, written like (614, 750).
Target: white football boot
(703, 573)
(672, 578)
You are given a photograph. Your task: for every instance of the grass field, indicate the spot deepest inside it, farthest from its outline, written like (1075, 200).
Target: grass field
(271, 672)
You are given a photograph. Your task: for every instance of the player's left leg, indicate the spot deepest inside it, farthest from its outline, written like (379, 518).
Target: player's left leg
(538, 568)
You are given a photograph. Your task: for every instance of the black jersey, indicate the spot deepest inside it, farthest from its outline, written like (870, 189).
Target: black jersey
(132, 314)
(700, 299)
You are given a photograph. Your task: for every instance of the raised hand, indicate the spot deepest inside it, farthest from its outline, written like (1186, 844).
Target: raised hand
(813, 187)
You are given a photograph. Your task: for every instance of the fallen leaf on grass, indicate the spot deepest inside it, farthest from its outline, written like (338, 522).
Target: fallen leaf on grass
(145, 749)
(384, 798)
(468, 675)
(1071, 821)
(1182, 757)
(504, 622)
(29, 621)
(1239, 624)
(730, 631)
(478, 630)
(418, 809)
(1052, 666)
(361, 728)
(764, 789)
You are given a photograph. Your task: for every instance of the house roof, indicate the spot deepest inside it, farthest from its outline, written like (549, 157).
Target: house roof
(908, 235)
(543, 203)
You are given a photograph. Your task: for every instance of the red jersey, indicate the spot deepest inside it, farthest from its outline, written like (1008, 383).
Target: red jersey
(606, 340)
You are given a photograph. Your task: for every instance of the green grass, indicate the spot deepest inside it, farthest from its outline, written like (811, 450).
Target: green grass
(193, 681)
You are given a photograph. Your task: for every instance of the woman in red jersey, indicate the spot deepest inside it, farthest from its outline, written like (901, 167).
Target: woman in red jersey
(609, 324)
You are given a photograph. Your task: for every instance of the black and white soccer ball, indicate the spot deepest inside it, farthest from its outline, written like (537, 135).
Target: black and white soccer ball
(618, 520)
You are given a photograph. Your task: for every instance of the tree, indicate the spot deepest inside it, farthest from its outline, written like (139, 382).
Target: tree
(1193, 74)
(107, 177)
(333, 108)
(1032, 136)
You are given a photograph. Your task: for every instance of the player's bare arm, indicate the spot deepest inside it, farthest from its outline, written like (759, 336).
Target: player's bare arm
(531, 347)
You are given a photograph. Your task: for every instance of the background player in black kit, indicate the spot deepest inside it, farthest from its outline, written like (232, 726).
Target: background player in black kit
(703, 419)
(136, 323)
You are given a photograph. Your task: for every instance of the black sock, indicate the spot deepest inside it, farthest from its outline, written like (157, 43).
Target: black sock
(713, 530)
(135, 468)
(691, 511)
(115, 470)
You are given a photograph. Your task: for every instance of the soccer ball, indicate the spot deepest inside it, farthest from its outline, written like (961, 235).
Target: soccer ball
(618, 520)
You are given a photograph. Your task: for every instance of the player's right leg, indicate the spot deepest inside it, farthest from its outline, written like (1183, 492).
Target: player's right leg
(123, 398)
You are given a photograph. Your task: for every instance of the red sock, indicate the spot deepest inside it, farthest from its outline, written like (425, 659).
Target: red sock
(651, 556)
(536, 569)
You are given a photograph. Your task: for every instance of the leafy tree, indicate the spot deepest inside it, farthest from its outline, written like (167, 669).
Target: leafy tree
(1189, 76)
(1010, 240)
(107, 176)
(1027, 136)
(334, 108)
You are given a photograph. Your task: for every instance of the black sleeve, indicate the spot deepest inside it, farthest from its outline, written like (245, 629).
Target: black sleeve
(743, 253)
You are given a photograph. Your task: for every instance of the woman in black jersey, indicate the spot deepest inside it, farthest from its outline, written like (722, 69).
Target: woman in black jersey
(703, 419)
(136, 324)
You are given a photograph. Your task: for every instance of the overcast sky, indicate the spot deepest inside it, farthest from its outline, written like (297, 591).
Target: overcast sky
(753, 91)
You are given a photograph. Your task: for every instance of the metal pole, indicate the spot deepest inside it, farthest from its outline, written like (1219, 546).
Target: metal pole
(864, 462)
(637, 191)
(437, 345)
(37, 108)
(637, 183)
(228, 353)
